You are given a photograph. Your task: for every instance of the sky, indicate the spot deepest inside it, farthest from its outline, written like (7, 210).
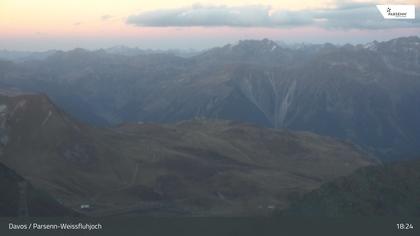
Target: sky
(38, 25)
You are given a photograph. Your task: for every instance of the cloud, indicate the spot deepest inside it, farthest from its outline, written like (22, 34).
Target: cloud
(106, 17)
(199, 15)
(343, 15)
(77, 23)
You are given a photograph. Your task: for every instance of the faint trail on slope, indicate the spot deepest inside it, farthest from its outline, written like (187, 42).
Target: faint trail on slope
(46, 118)
(135, 174)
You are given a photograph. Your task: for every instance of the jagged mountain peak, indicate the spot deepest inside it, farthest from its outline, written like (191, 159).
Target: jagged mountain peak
(252, 46)
(260, 44)
(405, 40)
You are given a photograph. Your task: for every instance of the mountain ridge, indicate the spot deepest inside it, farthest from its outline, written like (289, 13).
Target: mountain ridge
(363, 93)
(198, 167)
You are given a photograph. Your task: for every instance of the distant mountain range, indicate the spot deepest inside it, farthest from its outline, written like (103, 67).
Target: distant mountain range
(23, 56)
(367, 94)
(198, 167)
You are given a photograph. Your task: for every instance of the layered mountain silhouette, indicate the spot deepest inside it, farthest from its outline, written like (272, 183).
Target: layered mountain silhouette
(367, 94)
(196, 167)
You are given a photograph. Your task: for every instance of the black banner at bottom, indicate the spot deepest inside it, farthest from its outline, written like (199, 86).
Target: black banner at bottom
(203, 226)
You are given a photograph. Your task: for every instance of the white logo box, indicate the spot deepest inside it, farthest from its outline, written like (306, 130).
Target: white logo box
(402, 12)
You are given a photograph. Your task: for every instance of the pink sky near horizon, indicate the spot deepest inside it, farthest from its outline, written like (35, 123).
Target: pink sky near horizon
(48, 24)
(195, 38)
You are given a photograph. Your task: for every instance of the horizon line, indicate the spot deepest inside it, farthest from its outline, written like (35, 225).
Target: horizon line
(279, 42)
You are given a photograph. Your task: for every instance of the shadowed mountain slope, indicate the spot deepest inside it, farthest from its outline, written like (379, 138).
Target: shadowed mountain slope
(19, 198)
(198, 167)
(386, 190)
